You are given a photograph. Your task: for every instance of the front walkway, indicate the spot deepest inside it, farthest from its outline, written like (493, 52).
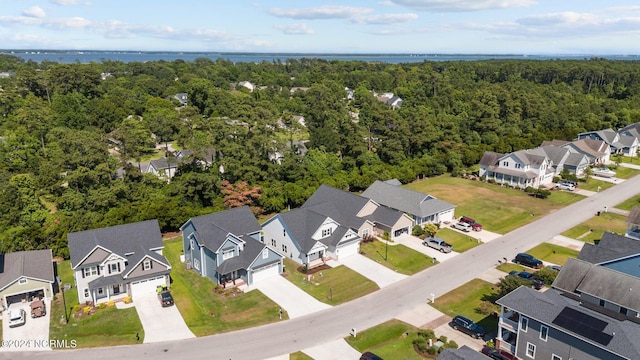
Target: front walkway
(378, 273)
(291, 298)
(566, 242)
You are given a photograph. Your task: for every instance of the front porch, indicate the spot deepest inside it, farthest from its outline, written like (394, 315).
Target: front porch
(508, 331)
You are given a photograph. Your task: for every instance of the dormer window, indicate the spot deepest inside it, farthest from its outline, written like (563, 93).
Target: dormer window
(146, 265)
(326, 232)
(518, 166)
(22, 281)
(114, 267)
(227, 254)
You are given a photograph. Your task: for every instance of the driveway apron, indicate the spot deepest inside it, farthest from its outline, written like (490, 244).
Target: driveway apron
(380, 274)
(337, 349)
(290, 297)
(160, 324)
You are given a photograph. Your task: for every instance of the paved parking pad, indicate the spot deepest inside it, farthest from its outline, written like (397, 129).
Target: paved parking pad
(32, 336)
(380, 274)
(160, 324)
(291, 298)
(337, 349)
(415, 243)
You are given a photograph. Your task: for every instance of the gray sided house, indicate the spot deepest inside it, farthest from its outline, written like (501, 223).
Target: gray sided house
(26, 275)
(309, 237)
(564, 160)
(423, 208)
(227, 248)
(118, 261)
(362, 215)
(624, 142)
(164, 168)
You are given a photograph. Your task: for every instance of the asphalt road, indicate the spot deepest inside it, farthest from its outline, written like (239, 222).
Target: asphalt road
(327, 325)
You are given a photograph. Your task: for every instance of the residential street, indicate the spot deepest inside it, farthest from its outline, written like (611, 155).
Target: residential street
(331, 324)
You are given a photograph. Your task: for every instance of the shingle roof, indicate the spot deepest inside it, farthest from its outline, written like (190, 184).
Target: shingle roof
(301, 224)
(409, 201)
(36, 264)
(490, 158)
(138, 238)
(574, 159)
(164, 163)
(463, 353)
(212, 229)
(342, 206)
(623, 337)
(634, 216)
(554, 142)
(555, 154)
(252, 249)
(610, 247)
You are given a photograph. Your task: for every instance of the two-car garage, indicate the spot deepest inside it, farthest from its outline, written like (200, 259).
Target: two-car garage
(266, 272)
(147, 286)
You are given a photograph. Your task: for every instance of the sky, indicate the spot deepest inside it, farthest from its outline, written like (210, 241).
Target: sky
(325, 26)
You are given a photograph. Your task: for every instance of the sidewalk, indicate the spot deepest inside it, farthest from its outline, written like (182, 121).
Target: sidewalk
(566, 242)
(631, 166)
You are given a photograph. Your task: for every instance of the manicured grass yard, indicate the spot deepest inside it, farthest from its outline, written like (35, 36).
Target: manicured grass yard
(465, 301)
(387, 341)
(399, 257)
(625, 172)
(206, 312)
(553, 253)
(498, 209)
(460, 242)
(629, 203)
(593, 184)
(299, 356)
(106, 327)
(599, 224)
(336, 285)
(509, 267)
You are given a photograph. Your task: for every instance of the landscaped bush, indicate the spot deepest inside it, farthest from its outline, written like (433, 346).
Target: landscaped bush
(421, 344)
(547, 275)
(368, 238)
(432, 350)
(427, 334)
(416, 231)
(487, 308)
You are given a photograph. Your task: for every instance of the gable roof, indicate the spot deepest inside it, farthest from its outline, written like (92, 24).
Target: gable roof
(35, 264)
(554, 142)
(138, 238)
(409, 201)
(301, 224)
(212, 229)
(611, 247)
(490, 158)
(252, 249)
(340, 205)
(591, 147)
(575, 159)
(164, 163)
(462, 353)
(556, 154)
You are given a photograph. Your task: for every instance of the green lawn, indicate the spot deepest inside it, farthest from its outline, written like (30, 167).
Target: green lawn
(592, 184)
(106, 327)
(553, 253)
(206, 312)
(460, 242)
(509, 267)
(466, 299)
(629, 203)
(336, 285)
(625, 172)
(299, 356)
(387, 340)
(396, 257)
(592, 229)
(498, 209)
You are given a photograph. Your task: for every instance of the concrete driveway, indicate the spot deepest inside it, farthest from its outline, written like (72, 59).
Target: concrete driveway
(415, 243)
(160, 324)
(337, 349)
(381, 275)
(32, 336)
(291, 298)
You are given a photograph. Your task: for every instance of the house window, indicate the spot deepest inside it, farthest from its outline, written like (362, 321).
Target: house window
(505, 163)
(100, 291)
(90, 271)
(326, 232)
(284, 232)
(193, 244)
(518, 166)
(365, 232)
(196, 264)
(284, 248)
(524, 324)
(227, 254)
(601, 302)
(265, 253)
(544, 332)
(22, 281)
(273, 243)
(86, 292)
(555, 357)
(114, 267)
(531, 350)
(146, 265)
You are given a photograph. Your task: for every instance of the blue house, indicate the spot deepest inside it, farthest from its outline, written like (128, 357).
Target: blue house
(227, 247)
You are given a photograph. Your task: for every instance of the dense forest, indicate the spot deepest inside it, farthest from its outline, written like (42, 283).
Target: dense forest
(72, 134)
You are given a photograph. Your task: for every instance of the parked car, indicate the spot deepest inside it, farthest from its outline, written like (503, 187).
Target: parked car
(528, 260)
(535, 282)
(438, 244)
(38, 309)
(165, 298)
(17, 317)
(565, 186)
(467, 326)
(475, 226)
(497, 354)
(569, 182)
(369, 356)
(554, 267)
(604, 171)
(462, 226)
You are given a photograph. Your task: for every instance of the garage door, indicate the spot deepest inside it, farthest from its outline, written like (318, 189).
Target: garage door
(266, 272)
(148, 286)
(348, 250)
(26, 296)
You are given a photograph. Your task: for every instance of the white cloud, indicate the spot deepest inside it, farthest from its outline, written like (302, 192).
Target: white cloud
(462, 5)
(322, 12)
(34, 11)
(70, 2)
(385, 19)
(295, 29)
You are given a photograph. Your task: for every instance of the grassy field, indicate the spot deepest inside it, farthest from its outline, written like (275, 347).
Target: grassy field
(509, 209)
(465, 301)
(553, 253)
(629, 203)
(625, 172)
(398, 257)
(387, 340)
(509, 267)
(336, 285)
(299, 356)
(460, 242)
(105, 327)
(593, 184)
(592, 229)
(206, 312)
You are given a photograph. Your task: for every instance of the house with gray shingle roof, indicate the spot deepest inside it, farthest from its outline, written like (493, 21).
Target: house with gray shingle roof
(164, 168)
(25, 275)
(422, 208)
(228, 248)
(597, 151)
(625, 141)
(522, 169)
(118, 261)
(633, 223)
(615, 252)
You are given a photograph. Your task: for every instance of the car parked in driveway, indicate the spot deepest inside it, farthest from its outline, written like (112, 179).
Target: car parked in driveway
(468, 327)
(165, 298)
(462, 226)
(17, 317)
(565, 186)
(535, 282)
(528, 260)
(38, 309)
(438, 244)
(475, 226)
(497, 354)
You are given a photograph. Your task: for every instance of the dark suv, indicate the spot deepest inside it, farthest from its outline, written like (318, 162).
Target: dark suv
(474, 225)
(528, 260)
(165, 298)
(535, 282)
(468, 327)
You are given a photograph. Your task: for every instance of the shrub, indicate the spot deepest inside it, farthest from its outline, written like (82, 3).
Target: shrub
(443, 339)
(368, 238)
(127, 300)
(487, 308)
(421, 344)
(491, 344)
(451, 344)
(76, 308)
(547, 275)
(432, 350)
(416, 231)
(102, 306)
(427, 334)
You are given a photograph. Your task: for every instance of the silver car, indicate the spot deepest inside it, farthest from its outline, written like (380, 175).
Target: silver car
(438, 244)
